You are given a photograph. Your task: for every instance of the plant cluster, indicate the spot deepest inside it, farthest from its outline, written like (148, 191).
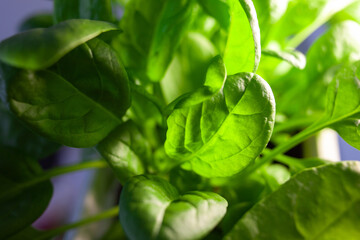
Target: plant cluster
(175, 99)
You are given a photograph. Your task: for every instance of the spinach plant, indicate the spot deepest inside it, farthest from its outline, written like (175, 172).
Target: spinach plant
(174, 97)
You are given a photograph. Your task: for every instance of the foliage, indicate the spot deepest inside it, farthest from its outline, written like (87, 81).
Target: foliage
(174, 97)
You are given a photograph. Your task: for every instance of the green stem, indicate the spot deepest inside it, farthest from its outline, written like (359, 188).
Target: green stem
(295, 140)
(53, 173)
(104, 215)
(295, 124)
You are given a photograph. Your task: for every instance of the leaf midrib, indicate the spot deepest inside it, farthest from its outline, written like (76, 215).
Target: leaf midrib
(103, 108)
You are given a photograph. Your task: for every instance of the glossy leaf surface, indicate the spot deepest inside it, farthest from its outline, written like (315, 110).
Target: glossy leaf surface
(221, 135)
(20, 206)
(126, 151)
(40, 48)
(243, 50)
(153, 30)
(71, 110)
(151, 208)
(320, 203)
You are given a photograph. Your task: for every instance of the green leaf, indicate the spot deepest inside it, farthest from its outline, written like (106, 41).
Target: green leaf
(243, 49)
(22, 207)
(43, 20)
(319, 203)
(153, 30)
(298, 164)
(218, 9)
(343, 105)
(242, 193)
(73, 110)
(302, 18)
(340, 45)
(295, 58)
(187, 70)
(151, 208)
(221, 135)
(269, 12)
(86, 9)
(214, 80)
(126, 151)
(186, 181)
(14, 134)
(40, 48)
(66, 9)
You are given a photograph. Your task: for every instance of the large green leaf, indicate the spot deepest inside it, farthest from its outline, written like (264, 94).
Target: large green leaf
(243, 49)
(222, 134)
(126, 151)
(20, 208)
(153, 30)
(151, 208)
(71, 109)
(319, 203)
(87, 9)
(40, 48)
(343, 105)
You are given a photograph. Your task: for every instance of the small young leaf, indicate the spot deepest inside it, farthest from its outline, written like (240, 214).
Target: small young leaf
(40, 48)
(151, 208)
(20, 208)
(126, 151)
(243, 50)
(221, 135)
(73, 110)
(295, 58)
(314, 204)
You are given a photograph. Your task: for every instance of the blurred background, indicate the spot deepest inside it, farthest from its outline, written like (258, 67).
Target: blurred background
(73, 199)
